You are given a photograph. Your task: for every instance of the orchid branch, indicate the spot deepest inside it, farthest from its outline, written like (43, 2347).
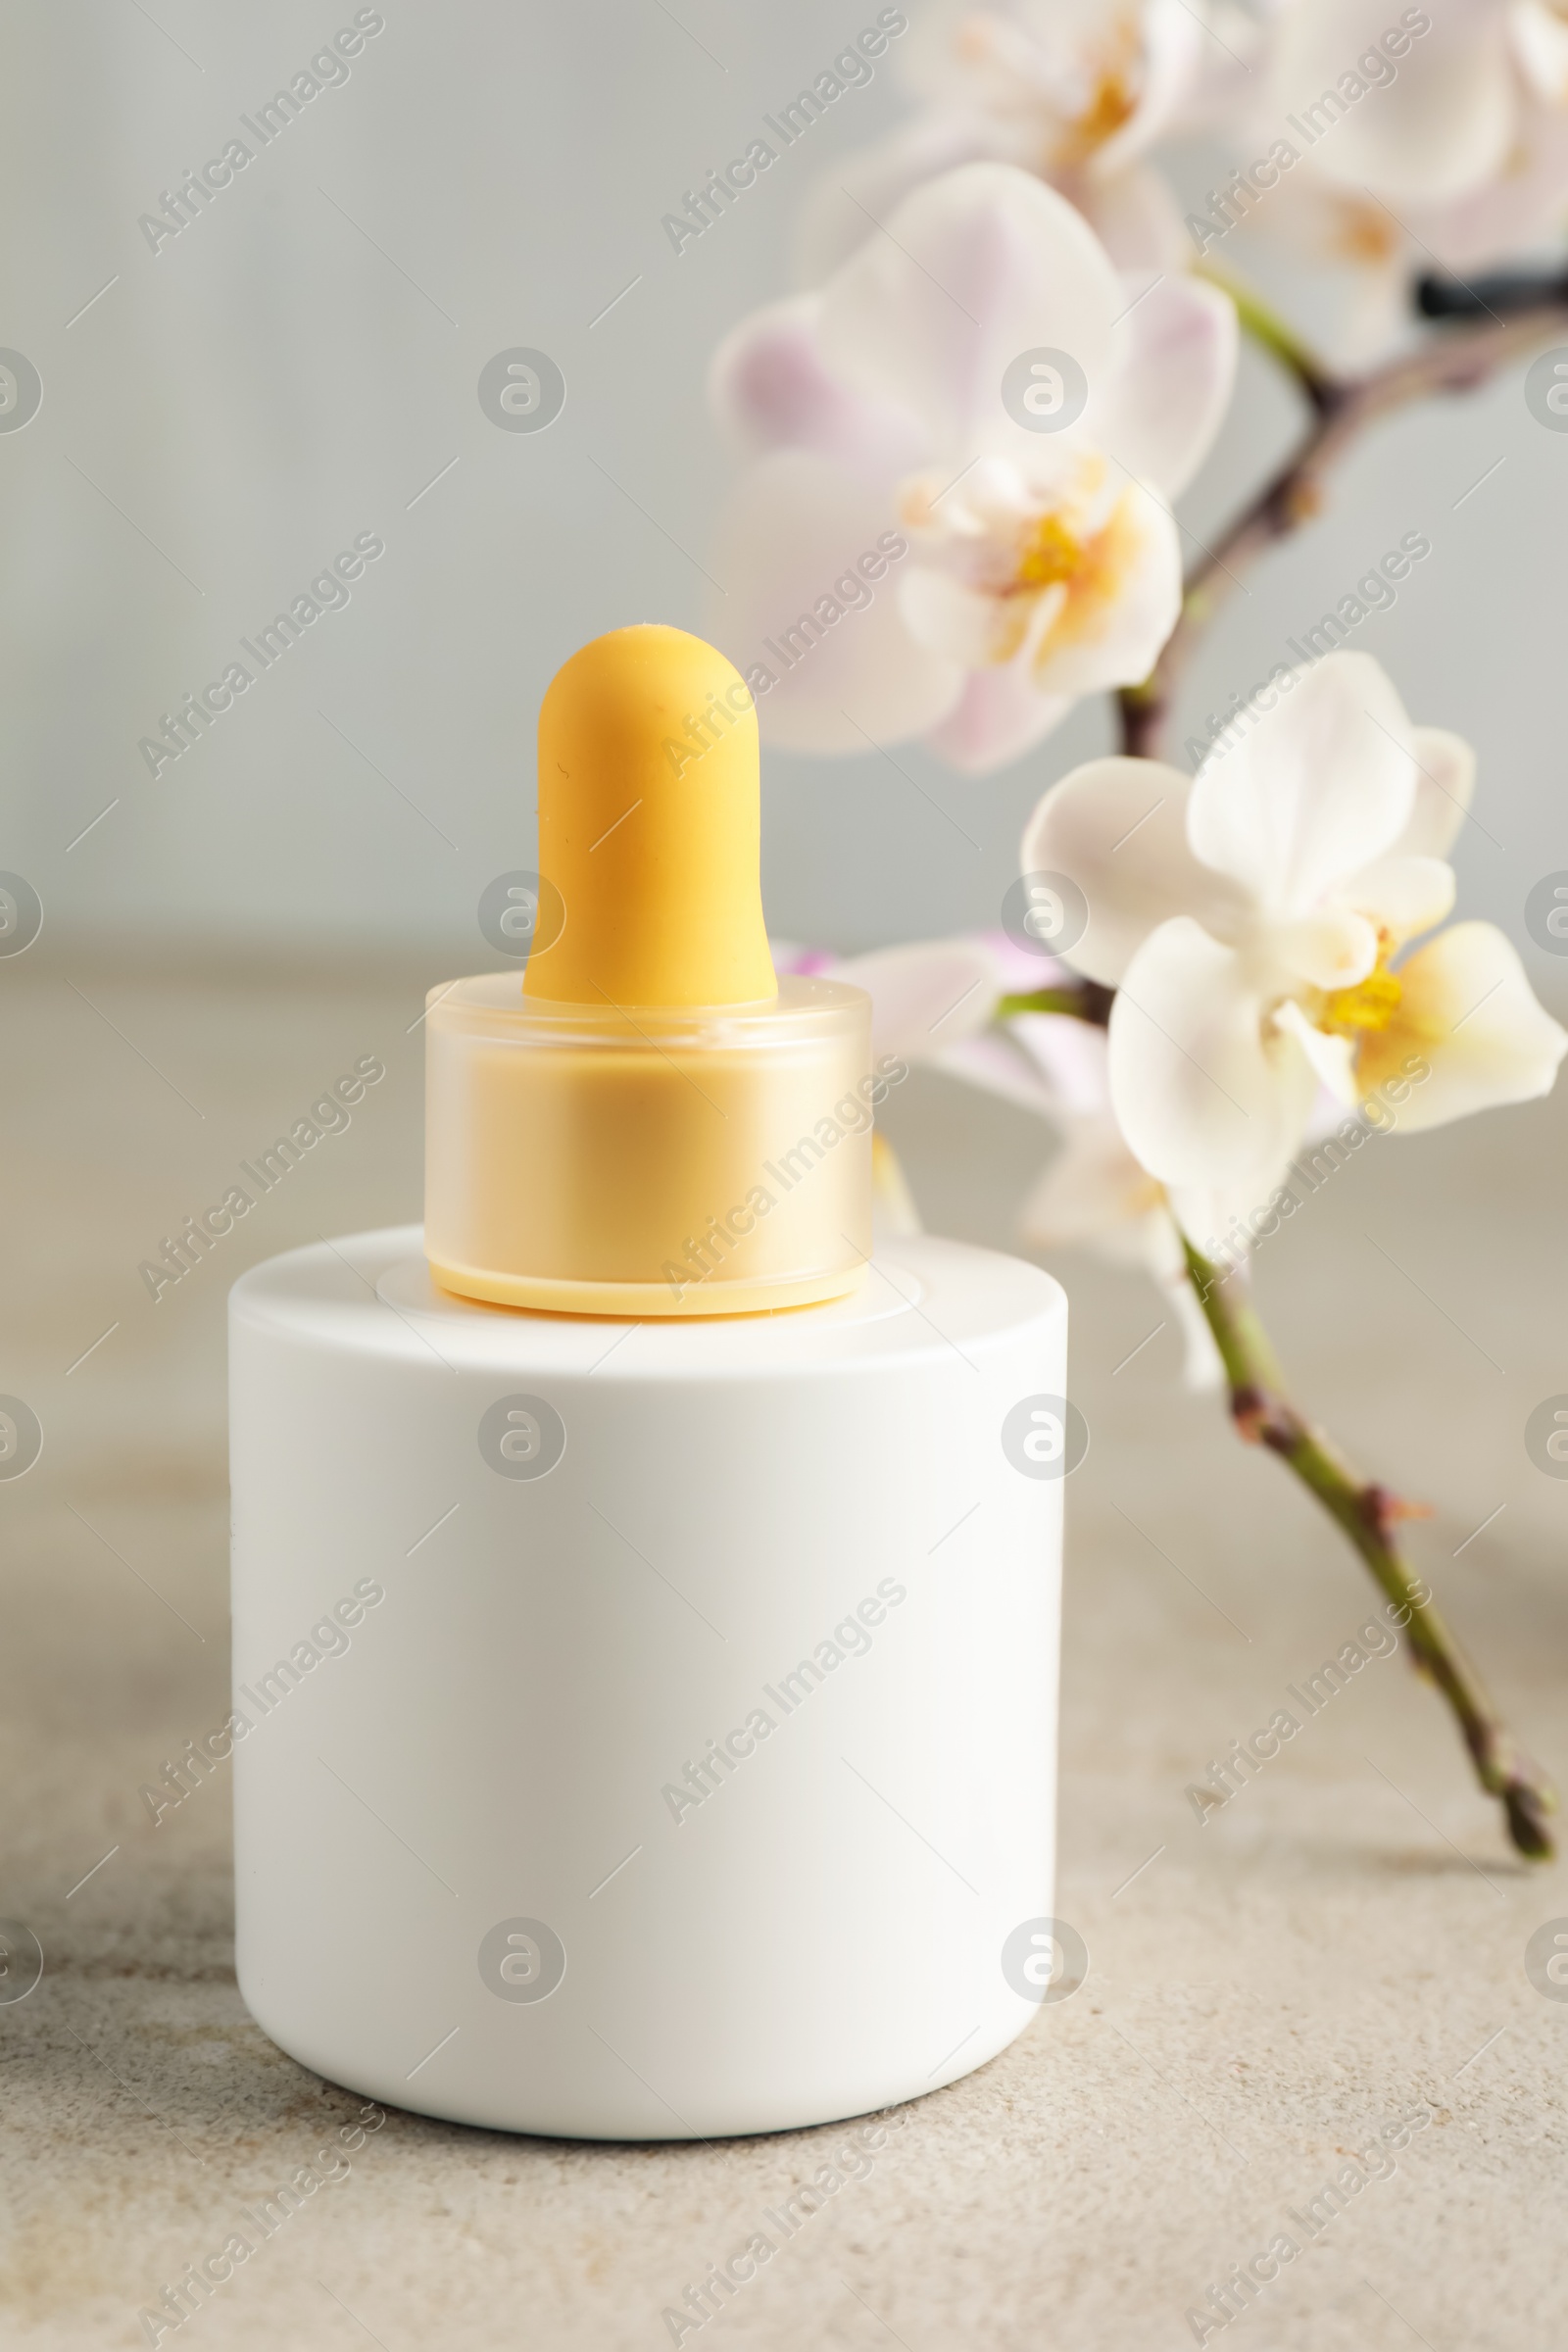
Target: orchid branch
(1367, 1512)
(1456, 361)
(1341, 411)
(1368, 1515)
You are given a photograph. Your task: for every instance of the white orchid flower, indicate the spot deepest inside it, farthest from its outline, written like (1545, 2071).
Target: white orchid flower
(907, 558)
(934, 1003)
(1253, 920)
(1076, 91)
(927, 998)
(1454, 151)
(1093, 1195)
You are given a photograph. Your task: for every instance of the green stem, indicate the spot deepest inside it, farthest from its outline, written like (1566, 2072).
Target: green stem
(1272, 333)
(1084, 1000)
(1367, 1514)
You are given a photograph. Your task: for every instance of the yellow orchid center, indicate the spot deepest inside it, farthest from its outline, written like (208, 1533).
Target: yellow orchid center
(1370, 1004)
(1050, 554)
(1108, 110)
(1112, 98)
(1363, 233)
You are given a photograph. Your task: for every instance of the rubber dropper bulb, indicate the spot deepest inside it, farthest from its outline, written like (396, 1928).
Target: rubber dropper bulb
(650, 827)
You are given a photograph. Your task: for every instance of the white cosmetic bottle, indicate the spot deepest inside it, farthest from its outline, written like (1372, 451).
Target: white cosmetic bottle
(646, 1602)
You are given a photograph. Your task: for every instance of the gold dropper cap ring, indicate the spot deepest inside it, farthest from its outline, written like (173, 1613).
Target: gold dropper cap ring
(650, 1125)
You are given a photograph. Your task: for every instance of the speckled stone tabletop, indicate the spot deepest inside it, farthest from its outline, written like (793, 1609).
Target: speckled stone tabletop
(1322, 1982)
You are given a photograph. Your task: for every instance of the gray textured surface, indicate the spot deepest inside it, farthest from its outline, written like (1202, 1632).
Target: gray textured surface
(1343, 1945)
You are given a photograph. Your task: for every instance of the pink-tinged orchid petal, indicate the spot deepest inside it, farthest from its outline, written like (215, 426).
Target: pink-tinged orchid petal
(1071, 1056)
(1119, 829)
(971, 271)
(1467, 1013)
(1047, 1062)
(927, 997)
(1000, 714)
(1025, 969)
(767, 384)
(787, 555)
(790, 957)
(1323, 784)
(1039, 568)
(1438, 123)
(997, 1064)
(1207, 1089)
(1178, 364)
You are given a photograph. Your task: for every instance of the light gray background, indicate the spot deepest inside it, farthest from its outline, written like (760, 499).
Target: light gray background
(235, 408)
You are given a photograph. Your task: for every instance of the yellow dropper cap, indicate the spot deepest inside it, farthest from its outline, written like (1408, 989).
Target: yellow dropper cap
(653, 1123)
(649, 826)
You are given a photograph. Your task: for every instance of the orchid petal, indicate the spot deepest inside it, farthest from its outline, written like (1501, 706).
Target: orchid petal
(1092, 1186)
(1204, 1092)
(1224, 1221)
(1333, 1059)
(927, 996)
(1178, 366)
(1333, 948)
(1540, 40)
(1000, 714)
(971, 271)
(1469, 1014)
(1073, 1057)
(997, 1064)
(769, 385)
(1525, 202)
(970, 624)
(1174, 40)
(848, 200)
(1202, 1365)
(1445, 779)
(1434, 126)
(1402, 896)
(1118, 828)
(1138, 220)
(793, 531)
(1324, 783)
(1120, 606)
